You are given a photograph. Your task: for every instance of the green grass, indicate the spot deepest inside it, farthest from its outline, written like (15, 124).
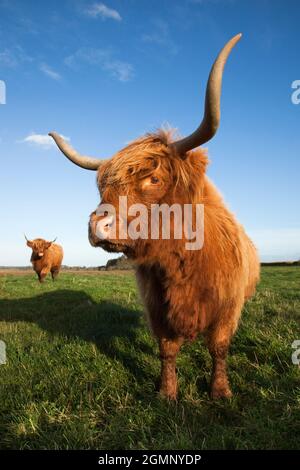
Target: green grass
(82, 368)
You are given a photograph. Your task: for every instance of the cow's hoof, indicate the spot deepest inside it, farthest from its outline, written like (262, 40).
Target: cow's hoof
(220, 392)
(168, 395)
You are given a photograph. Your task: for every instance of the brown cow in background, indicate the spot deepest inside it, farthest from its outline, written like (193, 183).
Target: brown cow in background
(46, 257)
(185, 292)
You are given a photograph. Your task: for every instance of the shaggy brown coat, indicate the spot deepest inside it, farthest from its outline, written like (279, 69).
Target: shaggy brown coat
(184, 292)
(46, 257)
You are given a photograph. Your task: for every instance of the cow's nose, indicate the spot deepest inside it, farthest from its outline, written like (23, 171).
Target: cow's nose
(103, 227)
(108, 221)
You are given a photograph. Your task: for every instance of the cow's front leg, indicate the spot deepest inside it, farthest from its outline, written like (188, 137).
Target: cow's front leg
(43, 274)
(169, 349)
(220, 387)
(219, 337)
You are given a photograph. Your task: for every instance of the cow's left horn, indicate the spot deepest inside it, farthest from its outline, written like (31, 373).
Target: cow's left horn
(89, 163)
(211, 120)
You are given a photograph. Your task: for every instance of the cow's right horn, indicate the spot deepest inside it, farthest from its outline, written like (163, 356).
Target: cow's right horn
(211, 119)
(89, 163)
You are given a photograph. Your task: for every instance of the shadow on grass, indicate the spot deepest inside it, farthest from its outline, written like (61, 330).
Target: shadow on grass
(74, 314)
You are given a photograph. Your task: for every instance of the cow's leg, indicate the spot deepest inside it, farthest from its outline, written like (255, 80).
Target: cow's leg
(219, 387)
(169, 349)
(54, 274)
(42, 277)
(218, 338)
(43, 274)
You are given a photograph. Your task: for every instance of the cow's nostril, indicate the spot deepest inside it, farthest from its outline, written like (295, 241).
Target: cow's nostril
(108, 222)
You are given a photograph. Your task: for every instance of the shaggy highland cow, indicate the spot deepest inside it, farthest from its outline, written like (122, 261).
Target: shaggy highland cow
(185, 292)
(46, 257)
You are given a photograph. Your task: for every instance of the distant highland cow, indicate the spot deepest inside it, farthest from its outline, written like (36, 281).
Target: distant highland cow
(185, 292)
(46, 257)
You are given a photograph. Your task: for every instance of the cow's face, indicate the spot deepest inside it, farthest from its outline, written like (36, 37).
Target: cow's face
(39, 247)
(139, 174)
(145, 174)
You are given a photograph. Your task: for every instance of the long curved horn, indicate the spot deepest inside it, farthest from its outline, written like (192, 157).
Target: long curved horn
(211, 120)
(29, 242)
(54, 240)
(83, 161)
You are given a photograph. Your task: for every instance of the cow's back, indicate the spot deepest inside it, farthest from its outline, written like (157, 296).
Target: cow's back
(55, 255)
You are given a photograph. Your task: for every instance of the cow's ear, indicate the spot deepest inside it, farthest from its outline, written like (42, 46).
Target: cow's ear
(48, 244)
(29, 243)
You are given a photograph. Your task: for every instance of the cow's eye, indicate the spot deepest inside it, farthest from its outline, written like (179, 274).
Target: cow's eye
(154, 180)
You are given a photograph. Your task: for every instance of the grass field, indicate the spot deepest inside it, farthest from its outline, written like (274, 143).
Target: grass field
(81, 368)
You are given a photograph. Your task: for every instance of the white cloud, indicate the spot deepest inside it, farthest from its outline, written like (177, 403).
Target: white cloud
(100, 10)
(89, 55)
(16, 56)
(120, 70)
(13, 57)
(161, 36)
(103, 58)
(7, 58)
(47, 70)
(41, 140)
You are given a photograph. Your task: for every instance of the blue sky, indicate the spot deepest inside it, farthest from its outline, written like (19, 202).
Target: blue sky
(102, 73)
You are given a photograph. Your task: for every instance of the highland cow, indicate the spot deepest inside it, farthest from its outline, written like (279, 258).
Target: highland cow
(46, 257)
(185, 292)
